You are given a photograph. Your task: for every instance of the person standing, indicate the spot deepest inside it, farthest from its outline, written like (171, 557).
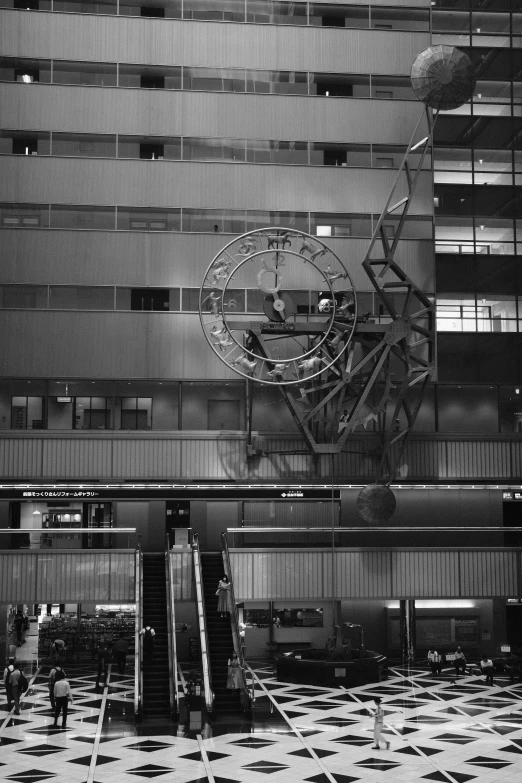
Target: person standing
(8, 687)
(19, 623)
(223, 593)
(234, 673)
(486, 664)
(434, 661)
(459, 661)
(120, 649)
(148, 634)
(378, 725)
(57, 650)
(56, 674)
(62, 695)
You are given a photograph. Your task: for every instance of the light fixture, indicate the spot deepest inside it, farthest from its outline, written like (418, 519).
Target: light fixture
(36, 512)
(517, 391)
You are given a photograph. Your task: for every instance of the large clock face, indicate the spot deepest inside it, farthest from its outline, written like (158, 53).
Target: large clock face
(278, 306)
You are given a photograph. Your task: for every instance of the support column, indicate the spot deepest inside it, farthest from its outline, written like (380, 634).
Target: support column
(408, 631)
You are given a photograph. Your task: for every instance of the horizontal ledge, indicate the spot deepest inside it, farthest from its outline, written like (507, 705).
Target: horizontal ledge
(379, 529)
(45, 530)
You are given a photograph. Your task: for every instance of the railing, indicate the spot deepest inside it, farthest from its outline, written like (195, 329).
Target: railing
(247, 699)
(202, 622)
(59, 538)
(171, 626)
(138, 672)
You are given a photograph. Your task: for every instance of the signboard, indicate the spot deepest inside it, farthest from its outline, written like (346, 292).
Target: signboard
(230, 492)
(506, 648)
(512, 496)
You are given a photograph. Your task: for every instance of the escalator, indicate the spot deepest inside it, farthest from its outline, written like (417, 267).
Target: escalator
(221, 643)
(223, 638)
(156, 676)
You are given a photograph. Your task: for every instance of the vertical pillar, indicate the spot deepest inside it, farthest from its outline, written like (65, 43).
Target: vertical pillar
(408, 631)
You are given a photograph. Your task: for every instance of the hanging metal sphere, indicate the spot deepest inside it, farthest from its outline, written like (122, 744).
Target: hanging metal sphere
(443, 77)
(376, 503)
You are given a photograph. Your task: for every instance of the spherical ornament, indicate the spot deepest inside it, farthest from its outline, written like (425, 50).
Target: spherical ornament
(376, 503)
(443, 77)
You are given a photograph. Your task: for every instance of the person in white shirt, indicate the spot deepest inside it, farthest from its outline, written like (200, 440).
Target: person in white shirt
(62, 697)
(434, 661)
(486, 664)
(378, 724)
(459, 661)
(8, 687)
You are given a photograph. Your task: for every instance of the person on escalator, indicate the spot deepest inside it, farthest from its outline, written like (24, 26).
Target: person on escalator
(148, 634)
(234, 674)
(224, 598)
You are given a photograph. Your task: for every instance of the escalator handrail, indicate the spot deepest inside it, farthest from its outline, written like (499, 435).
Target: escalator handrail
(234, 621)
(171, 627)
(138, 671)
(202, 623)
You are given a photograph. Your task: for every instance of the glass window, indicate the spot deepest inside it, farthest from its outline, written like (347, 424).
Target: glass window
(213, 149)
(298, 618)
(80, 7)
(99, 74)
(214, 79)
(14, 142)
(214, 220)
(171, 8)
(484, 22)
(84, 145)
(24, 296)
(91, 413)
(339, 85)
(282, 152)
(258, 219)
(383, 18)
(68, 297)
(133, 146)
(158, 299)
(450, 21)
(148, 219)
(213, 406)
(22, 69)
(510, 409)
(342, 224)
(150, 77)
(453, 165)
(492, 92)
(456, 313)
(415, 226)
(496, 313)
(82, 217)
(27, 413)
(270, 413)
(214, 10)
(333, 15)
(492, 167)
(24, 215)
(325, 153)
(392, 88)
(278, 82)
(136, 413)
(273, 12)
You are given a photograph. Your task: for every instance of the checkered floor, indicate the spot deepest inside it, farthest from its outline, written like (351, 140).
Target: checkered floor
(438, 731)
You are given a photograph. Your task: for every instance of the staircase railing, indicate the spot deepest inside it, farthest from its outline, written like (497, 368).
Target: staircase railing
(138, 671)
(246, 696)
(202, 623)
(171, 627)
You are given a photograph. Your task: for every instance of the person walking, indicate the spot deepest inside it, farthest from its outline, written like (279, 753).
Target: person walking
(104, 658)
(15, 677)
(234, 674)
(62, 696)
(223, 593)
(7, 685)
(459, 661)
(120, 649)
(19, 623)
(378, 725)
(434, 661)
(56, 674)
(486, 664)
(148, 634)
